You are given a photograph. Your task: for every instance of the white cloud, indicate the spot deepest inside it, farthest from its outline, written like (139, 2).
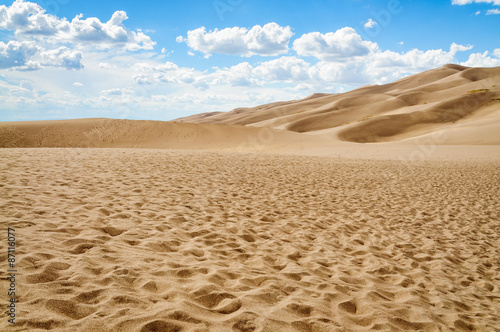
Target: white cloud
(167, 72)
(370, 23)
(334, 46)
(29, 20)
(115, 92)
(283, 69)
(483, 59)
(455, 48)
(16, 54)
(466, 2)
(414, 60)
(493, 11)
(78, 84)
(26, 55)
(383, 67)
(238, 75)
(376, 66)
(44, 40)
(110, 34)
(156, 67)
(348, 59)
(62, 57)
(478, 12)
(269, 40)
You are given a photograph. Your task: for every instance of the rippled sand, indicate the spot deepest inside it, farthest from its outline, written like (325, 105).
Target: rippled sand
(160, 240)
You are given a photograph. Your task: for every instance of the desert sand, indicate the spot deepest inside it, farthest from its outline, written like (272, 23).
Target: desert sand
(340, 214)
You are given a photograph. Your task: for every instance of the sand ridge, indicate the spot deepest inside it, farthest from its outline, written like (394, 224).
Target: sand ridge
(449, 98)
(162, 240)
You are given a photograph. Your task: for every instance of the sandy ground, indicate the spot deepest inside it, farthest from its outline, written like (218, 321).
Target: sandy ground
(162, 240)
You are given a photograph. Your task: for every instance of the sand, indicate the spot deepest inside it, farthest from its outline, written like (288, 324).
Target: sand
(164, 240)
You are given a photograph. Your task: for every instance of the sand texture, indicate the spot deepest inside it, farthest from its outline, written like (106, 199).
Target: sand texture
(160, 240)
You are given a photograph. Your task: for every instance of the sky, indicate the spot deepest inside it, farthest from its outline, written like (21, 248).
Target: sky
(161, 60)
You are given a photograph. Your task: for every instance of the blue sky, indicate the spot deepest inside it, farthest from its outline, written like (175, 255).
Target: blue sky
(162, 60)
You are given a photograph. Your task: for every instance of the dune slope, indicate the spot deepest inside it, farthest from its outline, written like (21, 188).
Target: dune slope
(464, 102)
(113, 133)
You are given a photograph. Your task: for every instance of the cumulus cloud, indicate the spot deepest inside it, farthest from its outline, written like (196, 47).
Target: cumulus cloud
(16, 54)
(46, 40)
(334, 46)
(62, 57)
(383, 67)
(167, 72)
(416, 60)
(376, 66)
(238, 75)
(268, 40)
(370, 23)
(283, 69)
(29, 20)
(466, 2)
(26, 55)
(483, 59)
(346, 58)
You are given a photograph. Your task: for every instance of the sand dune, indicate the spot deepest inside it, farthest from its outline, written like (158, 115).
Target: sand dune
(112, 133)
(161, 240)
(452, 96)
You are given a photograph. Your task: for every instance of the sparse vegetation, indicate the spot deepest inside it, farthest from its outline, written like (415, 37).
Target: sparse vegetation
(365, 118)
(494, 101)
(478, 90)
